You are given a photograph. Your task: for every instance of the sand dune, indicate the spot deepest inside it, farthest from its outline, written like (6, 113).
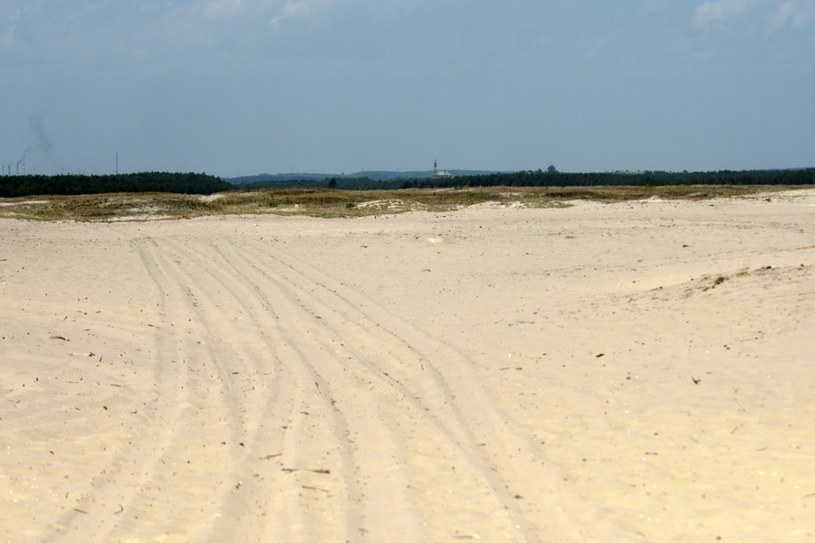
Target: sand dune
(629, 372)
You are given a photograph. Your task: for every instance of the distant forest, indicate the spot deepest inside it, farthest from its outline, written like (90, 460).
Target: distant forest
(180, 183)
(553, 178)
(198, 183)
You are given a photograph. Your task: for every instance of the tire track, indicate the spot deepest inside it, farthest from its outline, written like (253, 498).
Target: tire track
(272, 484)
(306, 411)
(414, 377)
(305, 337)
(443, 393)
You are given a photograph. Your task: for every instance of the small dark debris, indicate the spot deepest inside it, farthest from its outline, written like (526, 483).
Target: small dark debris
(601, 355)
(315, 488)
(321, 471)
(695, 380)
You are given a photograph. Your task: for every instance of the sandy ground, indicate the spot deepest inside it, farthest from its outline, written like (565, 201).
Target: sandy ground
(629, 372)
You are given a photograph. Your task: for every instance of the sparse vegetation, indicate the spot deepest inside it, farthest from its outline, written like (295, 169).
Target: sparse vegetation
(333, 203)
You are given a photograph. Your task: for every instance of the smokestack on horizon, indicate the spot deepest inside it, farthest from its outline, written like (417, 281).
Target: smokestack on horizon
(42, 145)
(22, 159)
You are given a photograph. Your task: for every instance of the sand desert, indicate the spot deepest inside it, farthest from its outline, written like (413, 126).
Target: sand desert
(635, 371)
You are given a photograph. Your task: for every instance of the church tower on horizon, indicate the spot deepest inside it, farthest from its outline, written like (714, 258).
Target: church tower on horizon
(440, 174)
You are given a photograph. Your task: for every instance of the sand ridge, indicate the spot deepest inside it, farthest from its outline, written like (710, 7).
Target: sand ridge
(637, 371)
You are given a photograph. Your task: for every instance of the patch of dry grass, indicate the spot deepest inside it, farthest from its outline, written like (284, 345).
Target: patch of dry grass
(339, 203)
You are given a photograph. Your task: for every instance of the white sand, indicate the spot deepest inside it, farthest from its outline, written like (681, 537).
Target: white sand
(490, 374)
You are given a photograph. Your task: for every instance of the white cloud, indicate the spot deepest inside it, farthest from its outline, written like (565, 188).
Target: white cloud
(718, 11)
(297, 8)
(12, 15)
(795, 14)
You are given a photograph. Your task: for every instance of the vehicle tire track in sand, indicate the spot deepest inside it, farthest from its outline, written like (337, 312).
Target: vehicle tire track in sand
(424, 376)
(366, 439)
(308, 412)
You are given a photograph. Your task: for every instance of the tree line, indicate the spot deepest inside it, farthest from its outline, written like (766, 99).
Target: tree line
(550, 178)
(553, 178)
(180, 183)
(199, 183)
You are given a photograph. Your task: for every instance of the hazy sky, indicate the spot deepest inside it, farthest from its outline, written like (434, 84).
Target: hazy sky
(237, 87)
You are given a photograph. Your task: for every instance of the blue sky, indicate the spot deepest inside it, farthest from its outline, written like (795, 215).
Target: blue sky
(238, 87)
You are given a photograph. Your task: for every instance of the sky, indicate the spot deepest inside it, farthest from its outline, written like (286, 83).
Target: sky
(241, 87)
